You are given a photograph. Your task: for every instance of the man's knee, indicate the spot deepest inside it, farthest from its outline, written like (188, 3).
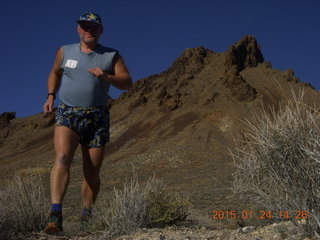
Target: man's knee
(62, 160)
(91, 173)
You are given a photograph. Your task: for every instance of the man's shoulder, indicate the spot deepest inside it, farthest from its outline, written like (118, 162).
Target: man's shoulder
(70, 46)
(104, 49)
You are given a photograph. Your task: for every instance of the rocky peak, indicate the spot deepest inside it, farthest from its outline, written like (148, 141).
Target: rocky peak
(183, 69)
(191, 61)
(245, 53)
(192, 55)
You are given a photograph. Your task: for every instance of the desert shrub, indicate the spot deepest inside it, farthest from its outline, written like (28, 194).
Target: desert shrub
(278, 162)
(136, 205)
(23, 205)
(165, 205)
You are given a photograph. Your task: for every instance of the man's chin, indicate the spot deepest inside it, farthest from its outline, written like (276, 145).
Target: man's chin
(90, 40)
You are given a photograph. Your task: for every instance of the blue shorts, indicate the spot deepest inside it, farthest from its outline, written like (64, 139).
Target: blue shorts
(90, 123)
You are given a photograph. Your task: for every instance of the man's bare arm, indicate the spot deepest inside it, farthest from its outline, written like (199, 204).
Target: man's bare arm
(54, 79)
(121, 78)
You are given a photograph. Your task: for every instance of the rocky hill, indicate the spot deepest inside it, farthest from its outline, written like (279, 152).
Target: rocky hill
(178, 124)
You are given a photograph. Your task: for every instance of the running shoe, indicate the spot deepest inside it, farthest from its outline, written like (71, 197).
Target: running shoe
(54, 223)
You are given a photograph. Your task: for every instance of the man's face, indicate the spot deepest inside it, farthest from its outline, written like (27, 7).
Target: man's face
(89, 32)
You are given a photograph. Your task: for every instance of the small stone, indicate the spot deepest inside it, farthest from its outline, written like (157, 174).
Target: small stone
(303, 222)
(211, 237)
(225, 235)
(289, 223)
(248, 229)
(261, 231)
(299, 235)
(284, 235)
(162, 237)
(277, 237)
(280, 228)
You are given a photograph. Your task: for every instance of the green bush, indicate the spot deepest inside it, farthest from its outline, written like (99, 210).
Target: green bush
(278, 162)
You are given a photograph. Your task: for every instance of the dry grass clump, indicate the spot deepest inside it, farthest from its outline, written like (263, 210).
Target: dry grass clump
(278, 162)
(23, 205)
(135, 206)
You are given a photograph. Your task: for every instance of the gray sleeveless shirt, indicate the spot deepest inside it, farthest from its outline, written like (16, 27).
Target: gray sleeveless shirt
(79, 88)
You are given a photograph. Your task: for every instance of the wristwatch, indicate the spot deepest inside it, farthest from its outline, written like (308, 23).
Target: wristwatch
(53, 94)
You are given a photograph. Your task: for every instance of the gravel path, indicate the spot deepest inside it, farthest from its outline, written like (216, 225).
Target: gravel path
(276, 231)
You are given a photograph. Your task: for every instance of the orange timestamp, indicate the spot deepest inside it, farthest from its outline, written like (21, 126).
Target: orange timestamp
(261, 214)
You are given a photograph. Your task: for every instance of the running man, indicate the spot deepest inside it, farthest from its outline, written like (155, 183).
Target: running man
(85, 71)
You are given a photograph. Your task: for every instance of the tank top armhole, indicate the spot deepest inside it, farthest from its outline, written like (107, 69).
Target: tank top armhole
(114, 57)
(62, 57)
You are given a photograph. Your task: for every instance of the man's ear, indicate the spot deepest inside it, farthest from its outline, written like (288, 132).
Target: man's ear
(78, 29)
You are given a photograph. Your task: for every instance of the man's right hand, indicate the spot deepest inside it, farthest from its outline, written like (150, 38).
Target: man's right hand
(53, 82)
(48, 106)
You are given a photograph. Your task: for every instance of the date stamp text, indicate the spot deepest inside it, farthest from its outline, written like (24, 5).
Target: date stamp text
(261, 214)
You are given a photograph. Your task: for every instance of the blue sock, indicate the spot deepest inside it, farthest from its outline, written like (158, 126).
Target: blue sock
(56, 207)
(86, 212)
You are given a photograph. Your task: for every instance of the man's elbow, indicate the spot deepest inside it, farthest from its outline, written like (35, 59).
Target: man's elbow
(128, 84)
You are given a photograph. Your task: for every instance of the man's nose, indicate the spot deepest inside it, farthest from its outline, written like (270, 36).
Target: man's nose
(90, 30)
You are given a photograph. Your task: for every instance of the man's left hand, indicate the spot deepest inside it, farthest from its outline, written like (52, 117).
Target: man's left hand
(97, 72)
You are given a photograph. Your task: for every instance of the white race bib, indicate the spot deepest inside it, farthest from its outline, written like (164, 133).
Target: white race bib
(71, 63)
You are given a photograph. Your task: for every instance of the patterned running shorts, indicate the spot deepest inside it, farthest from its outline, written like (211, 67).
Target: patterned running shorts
(90, 123)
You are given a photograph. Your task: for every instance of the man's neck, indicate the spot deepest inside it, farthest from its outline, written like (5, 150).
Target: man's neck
(88, 47)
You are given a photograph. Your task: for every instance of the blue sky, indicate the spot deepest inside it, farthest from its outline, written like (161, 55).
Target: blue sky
(150, 35)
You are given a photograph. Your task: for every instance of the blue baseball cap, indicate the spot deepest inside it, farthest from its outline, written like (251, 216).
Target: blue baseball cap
(90, 17)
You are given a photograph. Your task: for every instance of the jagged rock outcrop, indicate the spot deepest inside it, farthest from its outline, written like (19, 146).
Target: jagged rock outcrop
(291, 77)
(190, 62)
(245, 53)
(5, 118)
(167, 85)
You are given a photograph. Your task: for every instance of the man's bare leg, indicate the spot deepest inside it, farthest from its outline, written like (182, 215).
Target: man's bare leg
(92, 161)
(65, 144)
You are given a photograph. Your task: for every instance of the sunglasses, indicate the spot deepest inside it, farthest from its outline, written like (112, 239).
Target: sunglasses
(92, 26)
